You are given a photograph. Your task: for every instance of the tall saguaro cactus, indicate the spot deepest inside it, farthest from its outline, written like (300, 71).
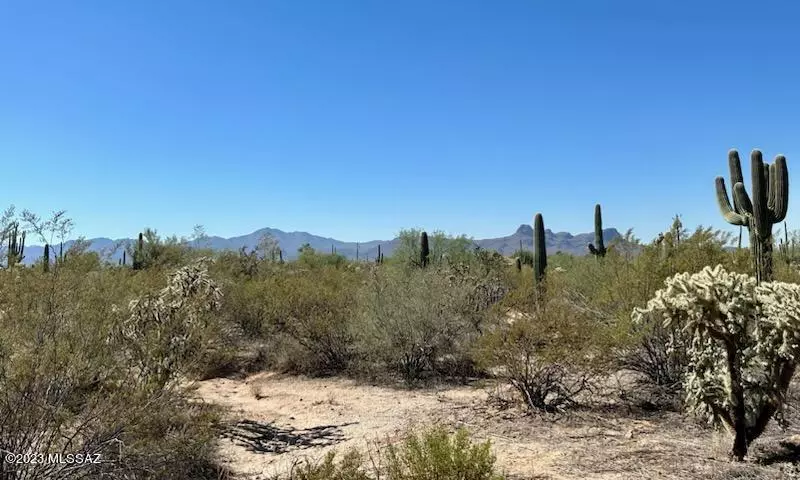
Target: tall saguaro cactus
(46, 258)
(598, 248)
(16, 246)
(424, 250)
(539, 249)
(770, 200)
(138, 253)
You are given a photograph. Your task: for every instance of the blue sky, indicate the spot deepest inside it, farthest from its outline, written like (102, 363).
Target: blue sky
(353, 119)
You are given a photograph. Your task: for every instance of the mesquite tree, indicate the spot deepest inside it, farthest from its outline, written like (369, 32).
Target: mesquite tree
(744, 346)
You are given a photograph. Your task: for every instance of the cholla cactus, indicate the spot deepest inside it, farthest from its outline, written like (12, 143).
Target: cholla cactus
(161, 331)
(745, 345)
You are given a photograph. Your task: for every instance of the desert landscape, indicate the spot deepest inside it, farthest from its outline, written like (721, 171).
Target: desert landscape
(443, 360)
(278, 421)
(417, 240)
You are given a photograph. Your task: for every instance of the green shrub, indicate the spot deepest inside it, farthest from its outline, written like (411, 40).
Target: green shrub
(442, 248)
(525, 257)
(349, 468)
(314, 308)
(63, 370)
(411, 319)
(437, 455)
(310, 258)
(247, 305)
(432, 455)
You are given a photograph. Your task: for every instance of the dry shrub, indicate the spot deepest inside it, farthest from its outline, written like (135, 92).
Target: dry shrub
(549, 351)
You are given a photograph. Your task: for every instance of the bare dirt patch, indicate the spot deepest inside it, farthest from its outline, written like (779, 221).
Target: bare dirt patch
(275, 421)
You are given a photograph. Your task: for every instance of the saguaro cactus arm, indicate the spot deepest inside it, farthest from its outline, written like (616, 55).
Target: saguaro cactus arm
(742, 207)
(761, 214)
(770, 200)
(735, 168)
(780, 189)
(729, 213)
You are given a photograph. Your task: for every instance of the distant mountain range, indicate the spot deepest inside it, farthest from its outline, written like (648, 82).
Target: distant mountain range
(290, 242)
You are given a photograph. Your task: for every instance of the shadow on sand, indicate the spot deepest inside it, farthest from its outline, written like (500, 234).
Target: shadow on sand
(268, 438)
(783, 452)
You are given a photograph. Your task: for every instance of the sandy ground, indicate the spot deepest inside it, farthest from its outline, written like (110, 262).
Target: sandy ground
(276, 421)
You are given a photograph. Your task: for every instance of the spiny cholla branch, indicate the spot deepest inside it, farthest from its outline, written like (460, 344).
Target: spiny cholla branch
(158, 334)
(744, 345)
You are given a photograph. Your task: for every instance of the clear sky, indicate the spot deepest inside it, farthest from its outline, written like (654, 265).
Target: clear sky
(353, 119)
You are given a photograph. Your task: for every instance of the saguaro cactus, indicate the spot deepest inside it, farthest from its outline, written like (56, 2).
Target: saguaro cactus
(46, 258)
(424, 250)
(739, 246)
(539, 249)
(138, 253)
(768, 206)
(16, 246)
(598, 248)
(379, 256)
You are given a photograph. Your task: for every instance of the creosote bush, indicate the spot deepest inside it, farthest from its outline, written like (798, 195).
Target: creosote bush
(431, 455)
(310, 311)
(547, 349)
(412, 320)
(744, 346)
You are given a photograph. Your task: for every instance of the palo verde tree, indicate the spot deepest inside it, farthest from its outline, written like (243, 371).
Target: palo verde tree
(768, 205)
(57, 227)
